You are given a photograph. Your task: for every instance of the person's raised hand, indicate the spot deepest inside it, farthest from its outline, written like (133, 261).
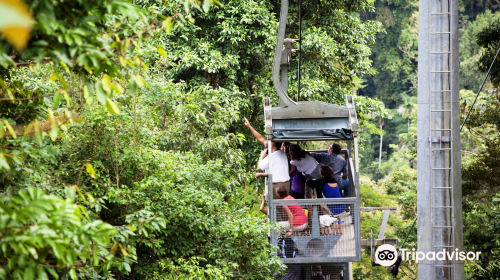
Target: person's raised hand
(247, 123)
(262, 198)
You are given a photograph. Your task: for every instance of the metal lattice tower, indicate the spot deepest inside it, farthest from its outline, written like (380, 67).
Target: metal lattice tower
(439, 193)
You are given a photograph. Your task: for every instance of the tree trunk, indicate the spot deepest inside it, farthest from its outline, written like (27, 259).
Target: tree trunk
(380, 150)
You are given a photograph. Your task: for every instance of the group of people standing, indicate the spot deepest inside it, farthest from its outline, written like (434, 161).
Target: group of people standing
(295, 168)
(297, 174)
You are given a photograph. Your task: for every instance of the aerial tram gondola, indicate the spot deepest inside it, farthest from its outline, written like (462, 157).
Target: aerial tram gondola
(333, 245)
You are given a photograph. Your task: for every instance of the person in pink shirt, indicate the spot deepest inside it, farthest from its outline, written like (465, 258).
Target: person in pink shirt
(297, 220)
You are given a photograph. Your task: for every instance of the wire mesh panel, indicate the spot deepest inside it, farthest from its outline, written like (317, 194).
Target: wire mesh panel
(317, 230)
(334, 272)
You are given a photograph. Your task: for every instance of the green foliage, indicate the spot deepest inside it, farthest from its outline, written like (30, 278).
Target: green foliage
(370, 112)
(332, 61)
(480, 224)
(45, 235)
(147, 127)
(472, 8)
(403, 184)
(394, 58)
(104, 38)
(71, 33)
(481, 131)
(470, 52)
(364, 269)
(329, 56)
(372, 195)
(183, 204)
(395, 52)
(399, 224)
(479, 178)
(400, 181)
(488, 39)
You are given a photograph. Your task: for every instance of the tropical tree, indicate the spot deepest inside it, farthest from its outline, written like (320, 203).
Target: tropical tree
(407, 107)
(135, 109)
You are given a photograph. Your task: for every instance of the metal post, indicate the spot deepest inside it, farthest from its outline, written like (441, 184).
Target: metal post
(284, 82)
(277, 56)
(270, 203)
(349, 272)
(456, 152)
(424, 228)
(384, 224)
(439, 195)
(284, 79)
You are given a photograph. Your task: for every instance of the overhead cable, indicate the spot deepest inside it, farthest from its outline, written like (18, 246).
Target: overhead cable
(300, 49)
(480, 88)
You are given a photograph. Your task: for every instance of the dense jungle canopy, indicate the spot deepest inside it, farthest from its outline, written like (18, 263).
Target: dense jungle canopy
(123, 152)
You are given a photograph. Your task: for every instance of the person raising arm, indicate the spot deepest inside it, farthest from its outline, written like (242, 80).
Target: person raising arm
(256, 134)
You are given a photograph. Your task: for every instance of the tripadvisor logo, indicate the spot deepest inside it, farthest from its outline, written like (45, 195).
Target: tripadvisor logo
(439, 255)
(387, 255)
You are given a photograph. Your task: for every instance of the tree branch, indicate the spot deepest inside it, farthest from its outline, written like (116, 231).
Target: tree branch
(48, 59)
(480, 135)
(36, 97)
(28, 63)
(20, 115)
(467, 152)
(28, 98)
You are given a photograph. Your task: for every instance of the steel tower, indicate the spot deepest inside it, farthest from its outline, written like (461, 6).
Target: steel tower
(439, 186)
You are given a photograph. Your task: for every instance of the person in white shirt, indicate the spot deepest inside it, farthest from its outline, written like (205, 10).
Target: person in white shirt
(278, 158)
(279, 168)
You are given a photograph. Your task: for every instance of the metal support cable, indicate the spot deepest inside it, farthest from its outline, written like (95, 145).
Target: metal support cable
(394, 277)
(408, 234)
(300, 49)
(480, 88)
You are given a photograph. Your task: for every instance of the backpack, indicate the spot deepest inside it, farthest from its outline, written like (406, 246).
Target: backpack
(286, 248)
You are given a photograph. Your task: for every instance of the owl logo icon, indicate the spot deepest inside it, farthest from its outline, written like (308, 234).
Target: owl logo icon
(386, 255)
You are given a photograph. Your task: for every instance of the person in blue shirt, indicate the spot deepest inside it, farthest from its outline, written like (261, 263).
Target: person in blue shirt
(331, 190)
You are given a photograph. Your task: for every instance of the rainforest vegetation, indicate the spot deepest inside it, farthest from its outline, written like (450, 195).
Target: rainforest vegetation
(123, 151)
